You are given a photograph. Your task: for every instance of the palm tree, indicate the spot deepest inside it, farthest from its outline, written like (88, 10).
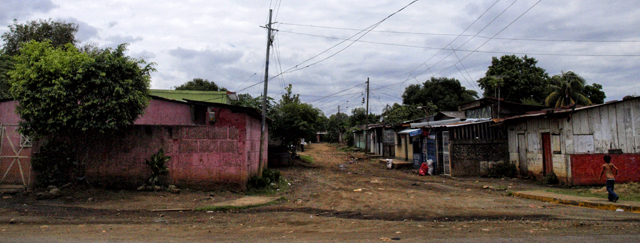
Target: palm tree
(567, 90)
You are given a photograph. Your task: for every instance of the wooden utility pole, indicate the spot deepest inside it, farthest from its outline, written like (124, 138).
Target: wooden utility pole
(366, 126)
(264, 97)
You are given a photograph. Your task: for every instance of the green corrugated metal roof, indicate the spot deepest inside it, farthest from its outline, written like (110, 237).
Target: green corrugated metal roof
(204, 96)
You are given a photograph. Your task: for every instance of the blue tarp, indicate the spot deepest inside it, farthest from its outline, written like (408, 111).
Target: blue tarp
(411, 132)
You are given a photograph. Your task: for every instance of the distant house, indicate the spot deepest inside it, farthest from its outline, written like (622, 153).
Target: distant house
(464, 142)
(212, 146)
(571, 142)
(359, 137)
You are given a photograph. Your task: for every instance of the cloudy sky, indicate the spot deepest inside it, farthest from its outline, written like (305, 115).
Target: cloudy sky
(327, 49)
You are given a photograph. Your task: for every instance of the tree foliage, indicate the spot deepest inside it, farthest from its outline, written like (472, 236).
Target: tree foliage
(201, 84)
(294, 120)
(594, 93)
(6, 64)
(247, 100)
(336, 124)
(445, 93)
(359, 117)
(57, 33)
(567, 90)
(62, 91)
(397, 113)
(519, 79)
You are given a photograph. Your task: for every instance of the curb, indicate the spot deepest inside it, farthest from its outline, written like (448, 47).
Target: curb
(596, 205)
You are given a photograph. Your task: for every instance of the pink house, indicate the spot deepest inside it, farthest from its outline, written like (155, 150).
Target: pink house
(212, 146)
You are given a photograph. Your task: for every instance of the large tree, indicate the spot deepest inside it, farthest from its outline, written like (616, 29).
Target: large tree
(594, 93)
(397, 113)
(336, 124)
(293, 119)
(200, 84)
(63, 92)
(58, 33)
(520, 79)
(445, 93)
(359, 117)
(567, 90)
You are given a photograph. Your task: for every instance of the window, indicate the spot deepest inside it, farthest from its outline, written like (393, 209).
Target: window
(25, 141)
(555, 144)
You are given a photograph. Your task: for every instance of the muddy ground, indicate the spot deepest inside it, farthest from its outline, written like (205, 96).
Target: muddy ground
(331, 200)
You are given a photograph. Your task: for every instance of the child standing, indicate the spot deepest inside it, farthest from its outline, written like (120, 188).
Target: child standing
(608, 170)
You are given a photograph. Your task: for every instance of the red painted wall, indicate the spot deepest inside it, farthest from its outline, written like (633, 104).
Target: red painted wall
(162, 112)
(586, 168)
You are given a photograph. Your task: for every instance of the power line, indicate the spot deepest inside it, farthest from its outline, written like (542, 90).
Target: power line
(334, 94)
(516, 19)
(467, 50)
(483, 28)
(410, 74)
(366, 31)
(478, 36)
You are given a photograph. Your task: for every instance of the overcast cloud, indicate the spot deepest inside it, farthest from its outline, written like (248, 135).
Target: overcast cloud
(222, 41)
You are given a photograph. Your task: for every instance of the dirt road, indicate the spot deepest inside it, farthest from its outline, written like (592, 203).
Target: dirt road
(335, 201)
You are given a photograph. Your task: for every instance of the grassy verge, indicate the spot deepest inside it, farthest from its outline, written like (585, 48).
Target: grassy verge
(307, 158)
(627, 191)
(228, 208)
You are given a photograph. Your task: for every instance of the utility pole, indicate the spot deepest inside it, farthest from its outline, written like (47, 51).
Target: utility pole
(264, 97)
(366, 126)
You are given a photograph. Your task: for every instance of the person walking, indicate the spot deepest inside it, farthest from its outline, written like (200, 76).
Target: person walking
(610, 171)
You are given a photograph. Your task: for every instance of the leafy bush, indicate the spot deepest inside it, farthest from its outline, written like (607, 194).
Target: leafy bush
(504, 169)
(157, 164)
(261, 182)
(55, 164)
(306, 158)
(551, 179)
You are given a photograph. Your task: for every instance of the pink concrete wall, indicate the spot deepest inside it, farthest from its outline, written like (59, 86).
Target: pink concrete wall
(162, 112)
(585, 168)
(8, 112)
(203, 157)
(220, 155)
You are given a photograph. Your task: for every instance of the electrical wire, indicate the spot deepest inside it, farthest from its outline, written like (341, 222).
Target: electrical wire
(478, 36)
(507, 26)
(410, 73)
(366, 31)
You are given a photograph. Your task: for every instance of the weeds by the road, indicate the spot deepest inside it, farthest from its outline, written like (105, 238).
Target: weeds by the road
(629, 191)
(269, 183)
(307, 158)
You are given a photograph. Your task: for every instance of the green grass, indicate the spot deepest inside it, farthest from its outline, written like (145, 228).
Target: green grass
(228, 208)
(346, 149)
(281, 186)
(307, 158)
(626, 192)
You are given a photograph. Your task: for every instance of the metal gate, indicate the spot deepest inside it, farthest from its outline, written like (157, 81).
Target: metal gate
(15, 156)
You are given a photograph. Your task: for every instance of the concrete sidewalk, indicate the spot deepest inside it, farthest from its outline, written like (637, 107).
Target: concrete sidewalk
(590, 202)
